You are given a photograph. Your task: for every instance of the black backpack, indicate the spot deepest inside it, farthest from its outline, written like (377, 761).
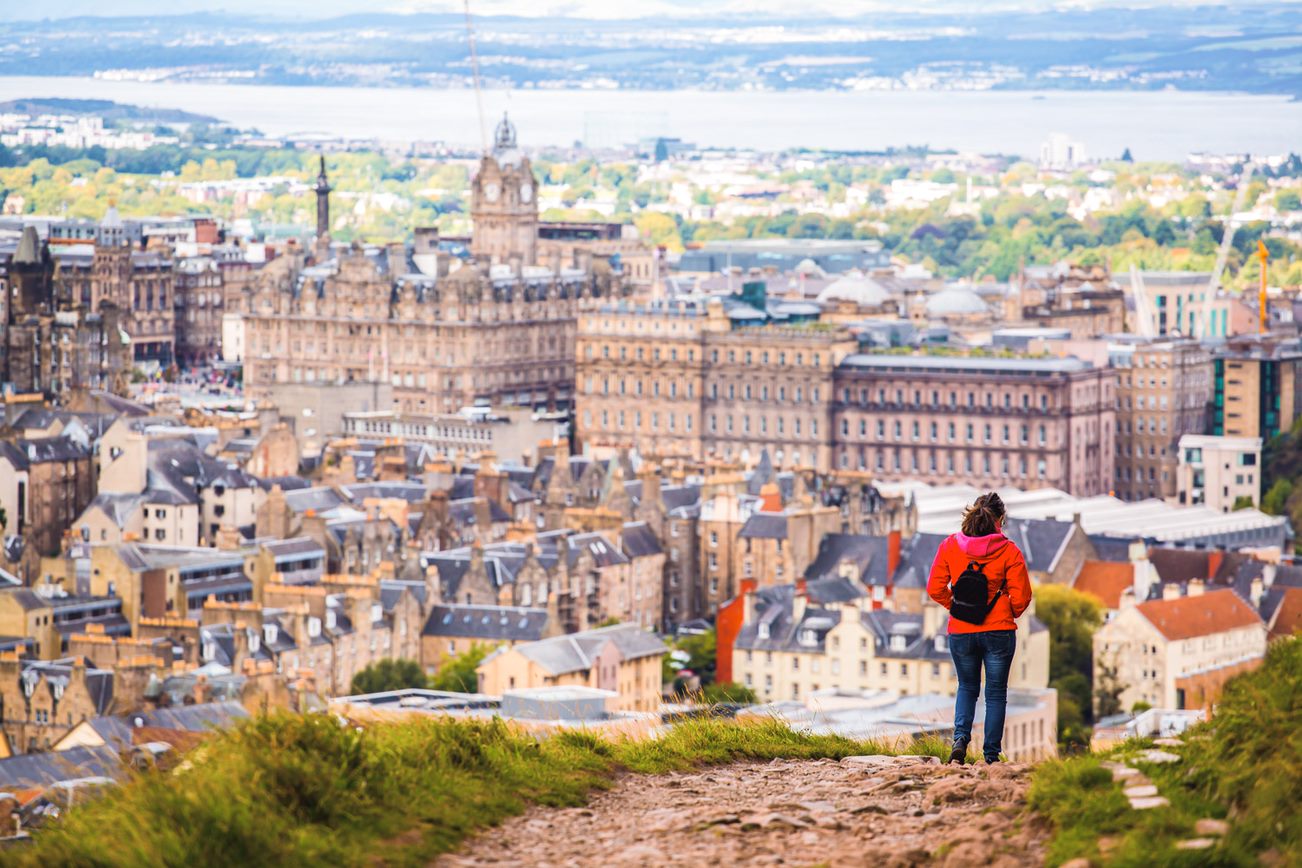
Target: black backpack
(970, 590)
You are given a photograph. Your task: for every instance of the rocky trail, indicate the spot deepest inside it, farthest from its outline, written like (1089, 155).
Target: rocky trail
(887, 811)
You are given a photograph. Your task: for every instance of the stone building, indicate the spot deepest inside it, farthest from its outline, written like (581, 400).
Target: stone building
(495, 330)
(677, 380)
(1164, 391)
(1178, 652)
(622, 658)
(796, 640)
(51, 341)
(1028, 423)
(40, 701)
(200, 303)
(52, 481)
(114, 273)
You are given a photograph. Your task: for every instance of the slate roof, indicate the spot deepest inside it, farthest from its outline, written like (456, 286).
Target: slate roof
(917, 554)
(490, 623)
(764, 525)
(391, 591)
(321, 499)
(604, 552)
(118, 508)
(116, 729)
(639, 541)
(22, 454)
(1111, 548)
(412, 492)
(36, 770)
(834, 589)
(576, 651)
(1041, 540)
(26, 598)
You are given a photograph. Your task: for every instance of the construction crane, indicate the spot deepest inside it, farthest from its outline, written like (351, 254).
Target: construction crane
(1227, 241)
(474, 67)
(1143, 310)
(1264, 255)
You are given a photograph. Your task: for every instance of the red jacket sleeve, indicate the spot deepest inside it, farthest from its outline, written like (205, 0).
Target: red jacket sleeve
(938, 581)
(1019, 584)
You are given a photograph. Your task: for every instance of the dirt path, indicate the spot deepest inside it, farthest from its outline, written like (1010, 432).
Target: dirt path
(861, 811)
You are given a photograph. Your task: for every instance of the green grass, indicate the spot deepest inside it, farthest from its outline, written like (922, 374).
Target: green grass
(293, 790)
(1245, 765)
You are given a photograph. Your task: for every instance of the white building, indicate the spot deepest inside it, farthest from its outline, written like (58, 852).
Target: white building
(1061, 152)
(1177, 652)
(1217, 471)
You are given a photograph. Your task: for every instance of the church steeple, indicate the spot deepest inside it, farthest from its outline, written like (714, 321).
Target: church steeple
(323, 189)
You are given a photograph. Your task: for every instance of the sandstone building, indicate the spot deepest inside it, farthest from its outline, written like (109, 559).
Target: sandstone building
(678, 380)
(1164, 390)
(497, 330)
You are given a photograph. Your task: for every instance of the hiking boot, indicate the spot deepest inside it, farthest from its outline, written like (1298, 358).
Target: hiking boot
(959, 753)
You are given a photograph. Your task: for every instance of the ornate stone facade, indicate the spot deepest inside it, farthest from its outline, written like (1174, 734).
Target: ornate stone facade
(498, 329)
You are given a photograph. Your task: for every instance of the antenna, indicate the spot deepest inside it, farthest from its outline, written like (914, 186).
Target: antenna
(474, 66)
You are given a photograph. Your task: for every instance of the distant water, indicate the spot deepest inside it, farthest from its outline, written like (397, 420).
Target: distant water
(1165, 125)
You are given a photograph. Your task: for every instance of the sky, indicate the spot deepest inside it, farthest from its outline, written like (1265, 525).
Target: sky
(595, 9)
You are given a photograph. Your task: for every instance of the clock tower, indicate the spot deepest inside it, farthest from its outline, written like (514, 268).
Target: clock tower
(504, 204)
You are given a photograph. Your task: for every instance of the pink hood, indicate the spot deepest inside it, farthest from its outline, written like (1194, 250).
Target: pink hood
(980, 546)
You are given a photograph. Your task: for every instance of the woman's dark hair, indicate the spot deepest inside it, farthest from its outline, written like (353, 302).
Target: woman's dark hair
(983, 516)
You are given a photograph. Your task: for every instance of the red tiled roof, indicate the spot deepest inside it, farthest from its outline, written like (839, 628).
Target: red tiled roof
(1105, 580)
(1203, 615)
(1288, 617)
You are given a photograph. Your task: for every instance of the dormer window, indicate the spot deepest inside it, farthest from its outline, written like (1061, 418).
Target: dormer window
(764, 631)
(898, 643)
(808, 637)
(941, 643)
(269, 633)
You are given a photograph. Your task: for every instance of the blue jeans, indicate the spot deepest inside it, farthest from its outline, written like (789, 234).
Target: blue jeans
(971, 650)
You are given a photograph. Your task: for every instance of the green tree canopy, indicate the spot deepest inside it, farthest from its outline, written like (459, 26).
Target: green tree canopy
(457, 674)
(388, 675)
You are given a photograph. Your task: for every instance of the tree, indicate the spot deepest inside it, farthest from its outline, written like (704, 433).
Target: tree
(458, 673)
(1072, 618)
(1107, 689)
(1275, 501)
(1243, 501)
(388, 675)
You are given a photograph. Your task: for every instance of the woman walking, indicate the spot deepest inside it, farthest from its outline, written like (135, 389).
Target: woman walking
(979, 577)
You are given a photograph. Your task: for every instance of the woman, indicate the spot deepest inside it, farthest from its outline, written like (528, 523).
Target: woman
(980, 578)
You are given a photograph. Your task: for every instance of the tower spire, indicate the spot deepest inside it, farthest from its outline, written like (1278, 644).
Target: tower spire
(323, 189)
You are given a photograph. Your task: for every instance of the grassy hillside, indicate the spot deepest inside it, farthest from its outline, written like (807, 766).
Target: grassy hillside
(1244, 766)
(307, 790)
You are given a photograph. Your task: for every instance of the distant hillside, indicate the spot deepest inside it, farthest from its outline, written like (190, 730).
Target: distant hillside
(105, 108)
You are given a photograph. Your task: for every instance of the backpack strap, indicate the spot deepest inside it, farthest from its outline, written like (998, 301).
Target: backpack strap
(1003, 589)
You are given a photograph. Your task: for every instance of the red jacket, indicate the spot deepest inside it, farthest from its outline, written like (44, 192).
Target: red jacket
(1002, 560)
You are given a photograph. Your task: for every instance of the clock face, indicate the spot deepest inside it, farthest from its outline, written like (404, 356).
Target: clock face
(526, 193)
(491, 192)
